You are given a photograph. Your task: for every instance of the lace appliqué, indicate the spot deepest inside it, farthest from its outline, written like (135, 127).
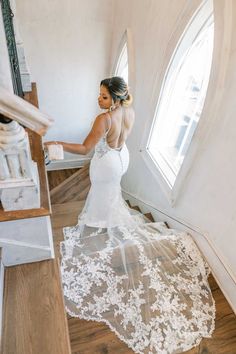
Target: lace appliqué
(148, 284)
(101, 148)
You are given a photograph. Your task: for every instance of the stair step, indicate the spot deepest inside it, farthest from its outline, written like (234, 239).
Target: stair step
(88, 337)
(74, 188)
(34, 315)
(149, 216)
(166, 224)
(65, 214)
(136, 207)
(56, 177)
(128, 202)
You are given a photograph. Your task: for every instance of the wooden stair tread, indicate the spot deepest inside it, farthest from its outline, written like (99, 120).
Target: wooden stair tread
(149, 216)
(91, 337)
(34, 316)
(66, 214)
(63, 215)
(56, 177)
(128, 202)
(74, 188)
(83, 172)
(166, 224)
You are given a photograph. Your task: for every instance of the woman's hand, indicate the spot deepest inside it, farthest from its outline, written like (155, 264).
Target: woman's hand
(47, 143)
(56, 151)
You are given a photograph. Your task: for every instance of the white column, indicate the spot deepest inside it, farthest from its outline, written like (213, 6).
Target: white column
(19, 182)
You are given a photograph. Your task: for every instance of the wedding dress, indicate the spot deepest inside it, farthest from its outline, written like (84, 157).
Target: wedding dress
(148, 283)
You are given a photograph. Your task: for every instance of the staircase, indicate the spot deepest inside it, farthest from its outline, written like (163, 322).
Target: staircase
(74, 188)
(89, 337)
(33, 315)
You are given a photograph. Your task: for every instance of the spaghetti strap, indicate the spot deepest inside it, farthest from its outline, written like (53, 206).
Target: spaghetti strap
(122, 122)
(122, 126)
(109, 127)
(121, 130)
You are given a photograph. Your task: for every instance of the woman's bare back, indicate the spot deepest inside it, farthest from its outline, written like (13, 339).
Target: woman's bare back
(120, 125)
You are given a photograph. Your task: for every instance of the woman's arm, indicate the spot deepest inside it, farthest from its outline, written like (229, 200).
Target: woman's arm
(98, 130)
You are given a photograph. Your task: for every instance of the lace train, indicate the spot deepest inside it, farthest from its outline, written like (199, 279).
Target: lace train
(146, 282)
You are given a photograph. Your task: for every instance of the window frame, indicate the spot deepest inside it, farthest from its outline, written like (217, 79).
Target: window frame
(127, 38)
(172, 191)
(125, 47)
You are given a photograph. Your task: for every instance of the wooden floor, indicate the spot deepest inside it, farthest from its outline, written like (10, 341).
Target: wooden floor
(73, 188)
(57, 177)
(34, 315)
(88, 337)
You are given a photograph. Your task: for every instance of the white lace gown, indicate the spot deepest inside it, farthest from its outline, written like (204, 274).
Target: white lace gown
(146, 282)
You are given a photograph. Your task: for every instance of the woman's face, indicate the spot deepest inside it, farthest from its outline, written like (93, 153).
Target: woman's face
(104, 98)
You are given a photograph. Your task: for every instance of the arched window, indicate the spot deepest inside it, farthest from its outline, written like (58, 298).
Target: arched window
(122, 62)
(182, 96)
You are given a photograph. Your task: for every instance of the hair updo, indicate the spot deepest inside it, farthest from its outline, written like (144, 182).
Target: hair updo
(118, 90)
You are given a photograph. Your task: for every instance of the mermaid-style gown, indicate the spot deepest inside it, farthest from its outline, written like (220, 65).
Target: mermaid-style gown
(148, 283)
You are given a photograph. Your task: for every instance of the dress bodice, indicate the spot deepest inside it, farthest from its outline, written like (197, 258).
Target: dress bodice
(102, 147)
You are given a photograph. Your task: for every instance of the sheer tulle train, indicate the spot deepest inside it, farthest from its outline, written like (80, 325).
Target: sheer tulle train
(147, 282)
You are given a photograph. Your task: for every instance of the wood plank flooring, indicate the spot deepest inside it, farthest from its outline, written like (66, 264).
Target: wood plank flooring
(74, 188)
(57, 177)
(88, 337)
(63, 215)
(34, 316)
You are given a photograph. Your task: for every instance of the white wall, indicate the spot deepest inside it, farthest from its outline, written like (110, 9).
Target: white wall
(67, 46)
(206, 202)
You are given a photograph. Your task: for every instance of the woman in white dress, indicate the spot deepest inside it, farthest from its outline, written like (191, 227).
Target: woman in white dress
(148, 283)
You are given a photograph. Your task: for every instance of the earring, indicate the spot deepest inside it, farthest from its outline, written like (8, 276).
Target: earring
(112, 107)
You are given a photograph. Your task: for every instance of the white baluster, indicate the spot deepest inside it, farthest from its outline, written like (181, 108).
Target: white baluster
(24, 163)
(4, 171)
(19, 182)
(14, 165)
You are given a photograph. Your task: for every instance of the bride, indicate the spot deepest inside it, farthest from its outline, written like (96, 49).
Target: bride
(148, 283)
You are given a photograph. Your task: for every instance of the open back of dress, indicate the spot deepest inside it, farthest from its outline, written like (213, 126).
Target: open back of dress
(146, 282)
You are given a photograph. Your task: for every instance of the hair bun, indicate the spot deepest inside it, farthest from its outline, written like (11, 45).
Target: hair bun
(128, 101)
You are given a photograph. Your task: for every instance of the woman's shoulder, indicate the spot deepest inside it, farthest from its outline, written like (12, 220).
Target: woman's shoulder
(103, 120)
(103, 117)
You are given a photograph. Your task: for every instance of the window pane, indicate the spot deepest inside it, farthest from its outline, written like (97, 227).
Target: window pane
(122, 65)
(182, 102)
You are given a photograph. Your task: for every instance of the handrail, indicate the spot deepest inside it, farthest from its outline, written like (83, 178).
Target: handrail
(16, 108)
(37, 153)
